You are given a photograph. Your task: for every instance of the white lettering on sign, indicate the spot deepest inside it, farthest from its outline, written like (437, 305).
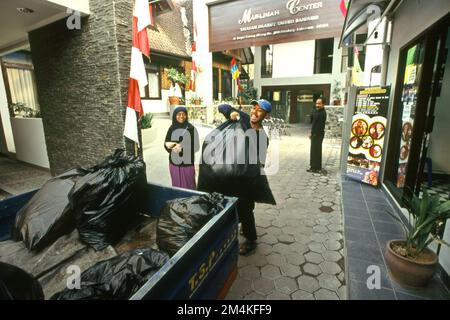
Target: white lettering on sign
(248, 17)
(295, 7)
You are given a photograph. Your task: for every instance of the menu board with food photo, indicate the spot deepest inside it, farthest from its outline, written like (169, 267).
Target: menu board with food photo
(367, 134)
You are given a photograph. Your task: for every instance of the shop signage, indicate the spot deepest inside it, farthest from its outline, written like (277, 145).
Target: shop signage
(243, 23)
(368, 134)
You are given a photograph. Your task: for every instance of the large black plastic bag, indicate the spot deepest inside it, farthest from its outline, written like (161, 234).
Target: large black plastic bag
(116, 278)
(181, 219)
(16, 284)
(47, 216)
(107, 199)
(244, 180)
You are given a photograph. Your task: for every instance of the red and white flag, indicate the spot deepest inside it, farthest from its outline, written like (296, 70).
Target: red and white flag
(194, 61)
(142, 18)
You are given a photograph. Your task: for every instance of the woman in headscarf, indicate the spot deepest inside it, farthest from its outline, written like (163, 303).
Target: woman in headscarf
(182, 143)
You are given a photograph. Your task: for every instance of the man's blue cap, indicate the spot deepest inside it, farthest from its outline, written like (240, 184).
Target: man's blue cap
(263, 104)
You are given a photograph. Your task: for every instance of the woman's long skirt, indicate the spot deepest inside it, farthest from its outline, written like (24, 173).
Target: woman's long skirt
(183, 177)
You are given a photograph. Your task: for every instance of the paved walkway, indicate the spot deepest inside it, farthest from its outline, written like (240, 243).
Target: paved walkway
(300, 251)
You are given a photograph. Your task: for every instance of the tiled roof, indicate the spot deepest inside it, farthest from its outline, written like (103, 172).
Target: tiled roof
(169, 35)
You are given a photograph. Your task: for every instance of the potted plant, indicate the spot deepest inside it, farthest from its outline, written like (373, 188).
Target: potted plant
(337, 93)
(146, 120)
(196, 100)
(410, 261)
(176, 78)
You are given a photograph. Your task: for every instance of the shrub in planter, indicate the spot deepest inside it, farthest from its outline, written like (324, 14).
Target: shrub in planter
(410, 261)
(146, 120)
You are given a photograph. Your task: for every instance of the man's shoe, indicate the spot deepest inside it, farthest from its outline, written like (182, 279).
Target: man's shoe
(247, 248)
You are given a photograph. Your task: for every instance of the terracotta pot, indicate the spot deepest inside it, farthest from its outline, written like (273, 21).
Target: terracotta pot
(408, 272)
(174, 101)
(197, 102)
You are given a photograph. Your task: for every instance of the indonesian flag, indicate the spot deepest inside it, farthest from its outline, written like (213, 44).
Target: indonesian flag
(142, 18)
(194, 63)
(344, 7)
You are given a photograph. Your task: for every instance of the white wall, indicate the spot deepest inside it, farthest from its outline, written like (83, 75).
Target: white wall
(6, 123)
(289, 59)
(30, 141)
(157, 106)
(204, 83)
(78, 5)
(294, 78)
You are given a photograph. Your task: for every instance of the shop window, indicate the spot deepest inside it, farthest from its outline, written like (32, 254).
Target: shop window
(20, 82)
(348, 54)
(323, 60)
(266, 61)
(215, 83)
(226, 84)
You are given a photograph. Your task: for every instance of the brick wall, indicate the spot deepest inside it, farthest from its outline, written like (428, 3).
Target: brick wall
(82, 80)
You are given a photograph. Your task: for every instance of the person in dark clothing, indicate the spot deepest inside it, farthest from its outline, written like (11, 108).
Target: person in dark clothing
(182, 143)
(246, 205)
(318, 119)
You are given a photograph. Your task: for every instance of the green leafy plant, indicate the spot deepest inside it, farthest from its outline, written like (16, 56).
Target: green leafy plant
(337, 90)
(427, 217)
(176, 76)
(146, 120)
(196, 99)
(21, 110)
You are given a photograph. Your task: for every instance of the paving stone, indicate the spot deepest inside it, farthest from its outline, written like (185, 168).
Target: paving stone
(329, 282)
(299, 248)
(263, 223)
(272, 212)
(276, 259)
(295, 258)
(269, 239)
(319, 237)
(263, 286)
(324, 294)
(278, 223)
(342, 293)
(276, 295)
(289, 230)
(316, 247)
(286, 285)
(332, 235)
(250, 272)
(311, 269)
(341, 277)
(260, 232)
(302, 238)
(330, 267)
(335, 227)
(308, 283)
(323, 222)
(313, 257)
(255, 296)
(282, 248)
(332, 245)
(291, 270)
(257, 259)
(264, 248)
(241, 287)
(320, 229)
(286, 238)
(332, 256)
(270, 272)
(327, 204)
(302, 295)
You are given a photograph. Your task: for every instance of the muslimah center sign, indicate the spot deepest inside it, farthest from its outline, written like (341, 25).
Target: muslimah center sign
(244, 23)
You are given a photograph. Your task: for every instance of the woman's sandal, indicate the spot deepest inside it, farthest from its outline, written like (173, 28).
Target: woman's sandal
(246, 248)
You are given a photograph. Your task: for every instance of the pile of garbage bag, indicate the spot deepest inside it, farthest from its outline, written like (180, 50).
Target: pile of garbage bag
(182, 218)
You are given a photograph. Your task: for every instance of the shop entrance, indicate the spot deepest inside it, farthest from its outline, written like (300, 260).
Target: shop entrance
(418, 149)
(295, 103)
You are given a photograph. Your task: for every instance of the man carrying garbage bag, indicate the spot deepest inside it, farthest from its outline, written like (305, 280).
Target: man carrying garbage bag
(240, 138)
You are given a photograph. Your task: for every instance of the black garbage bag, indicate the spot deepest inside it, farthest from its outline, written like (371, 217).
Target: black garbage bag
(47, 216)
(182, 218)
(107, 199)
(233, 169)
(16, 284)
(117, 278)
